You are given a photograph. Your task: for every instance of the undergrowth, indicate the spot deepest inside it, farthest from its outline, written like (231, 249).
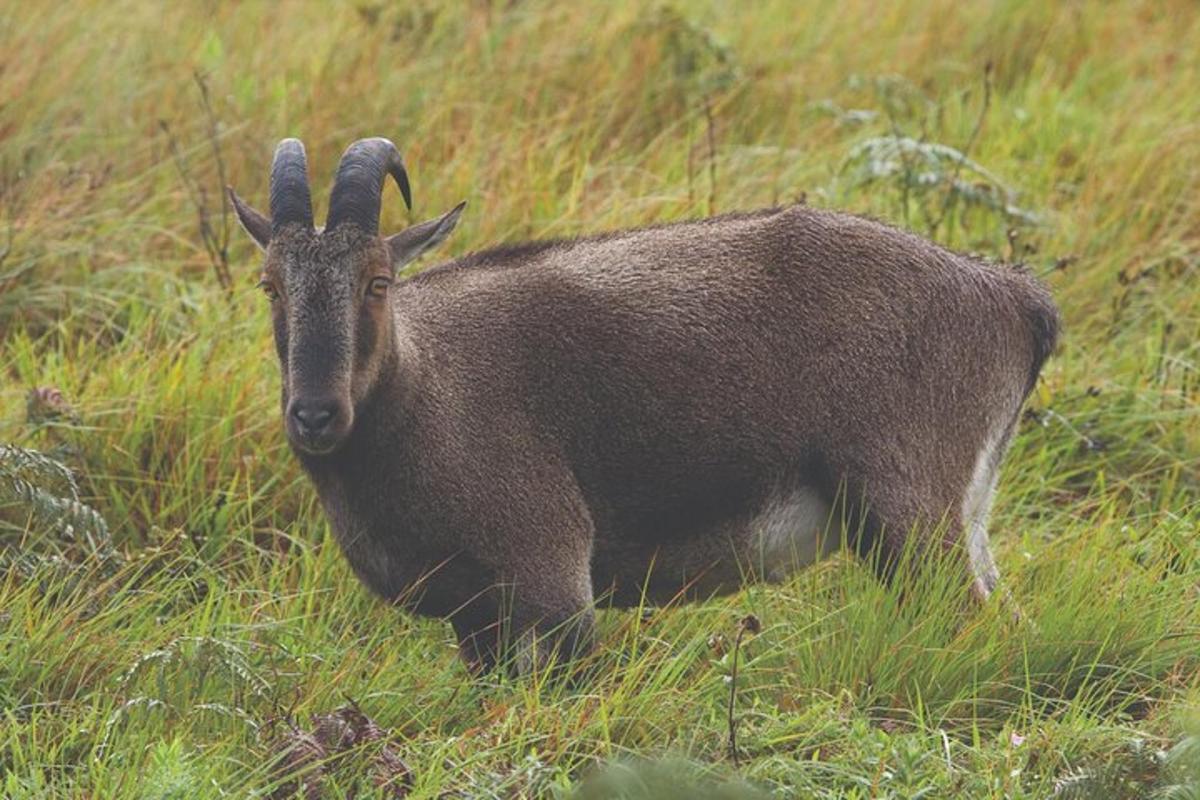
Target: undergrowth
(171, 602)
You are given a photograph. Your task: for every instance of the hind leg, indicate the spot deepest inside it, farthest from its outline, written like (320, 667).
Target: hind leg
(985, 576)
(976, 508)
(887, 510)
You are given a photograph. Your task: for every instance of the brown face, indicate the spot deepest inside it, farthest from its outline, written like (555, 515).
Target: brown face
(333, 328)
(329, 289)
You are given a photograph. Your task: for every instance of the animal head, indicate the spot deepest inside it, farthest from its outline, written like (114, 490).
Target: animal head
(329, 288)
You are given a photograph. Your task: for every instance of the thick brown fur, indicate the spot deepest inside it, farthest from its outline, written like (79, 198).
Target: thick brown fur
(536, 427)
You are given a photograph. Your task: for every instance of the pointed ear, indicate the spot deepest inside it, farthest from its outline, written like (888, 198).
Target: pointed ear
(408, 244)
(257, 225)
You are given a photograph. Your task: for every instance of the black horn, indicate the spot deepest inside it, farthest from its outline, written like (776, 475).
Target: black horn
(290, 199)
(359, 183)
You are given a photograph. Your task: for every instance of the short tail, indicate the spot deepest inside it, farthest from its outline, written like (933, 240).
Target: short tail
(1045, 324)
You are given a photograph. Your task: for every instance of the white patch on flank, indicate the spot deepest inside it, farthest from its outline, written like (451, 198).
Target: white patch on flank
(977, 505)
(791, 533)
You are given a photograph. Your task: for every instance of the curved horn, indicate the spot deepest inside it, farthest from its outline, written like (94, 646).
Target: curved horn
(290, 199)
(359, 183)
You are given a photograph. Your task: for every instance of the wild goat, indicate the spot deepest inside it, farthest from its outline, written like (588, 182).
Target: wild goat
(640, 415)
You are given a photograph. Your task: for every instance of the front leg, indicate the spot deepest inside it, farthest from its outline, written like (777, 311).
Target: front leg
(547, 628)
(520, 516)
(539, 612)
(479, 635)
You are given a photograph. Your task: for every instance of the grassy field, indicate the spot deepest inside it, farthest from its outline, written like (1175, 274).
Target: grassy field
(166, 653)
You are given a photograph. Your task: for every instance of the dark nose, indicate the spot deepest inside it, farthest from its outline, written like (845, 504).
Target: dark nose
(314, 418)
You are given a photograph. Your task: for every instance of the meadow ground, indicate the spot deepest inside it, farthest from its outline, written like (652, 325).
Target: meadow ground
(1062, 135)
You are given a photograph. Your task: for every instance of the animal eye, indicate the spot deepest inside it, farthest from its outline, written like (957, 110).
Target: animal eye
(269, 289)
(378, 287)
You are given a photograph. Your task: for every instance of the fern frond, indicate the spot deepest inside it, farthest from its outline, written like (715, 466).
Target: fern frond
(45, 490)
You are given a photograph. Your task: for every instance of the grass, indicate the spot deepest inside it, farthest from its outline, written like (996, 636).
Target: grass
(164, 668)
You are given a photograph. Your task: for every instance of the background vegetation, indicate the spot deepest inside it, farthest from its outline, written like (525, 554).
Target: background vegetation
(174, 607)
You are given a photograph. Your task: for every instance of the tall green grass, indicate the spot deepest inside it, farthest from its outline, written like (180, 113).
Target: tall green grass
(228, 614)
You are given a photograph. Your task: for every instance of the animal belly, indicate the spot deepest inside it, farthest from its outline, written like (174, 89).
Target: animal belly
(789, 532)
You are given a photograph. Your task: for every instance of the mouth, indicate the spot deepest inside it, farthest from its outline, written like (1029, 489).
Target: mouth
(315, 448)
(320, 444)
